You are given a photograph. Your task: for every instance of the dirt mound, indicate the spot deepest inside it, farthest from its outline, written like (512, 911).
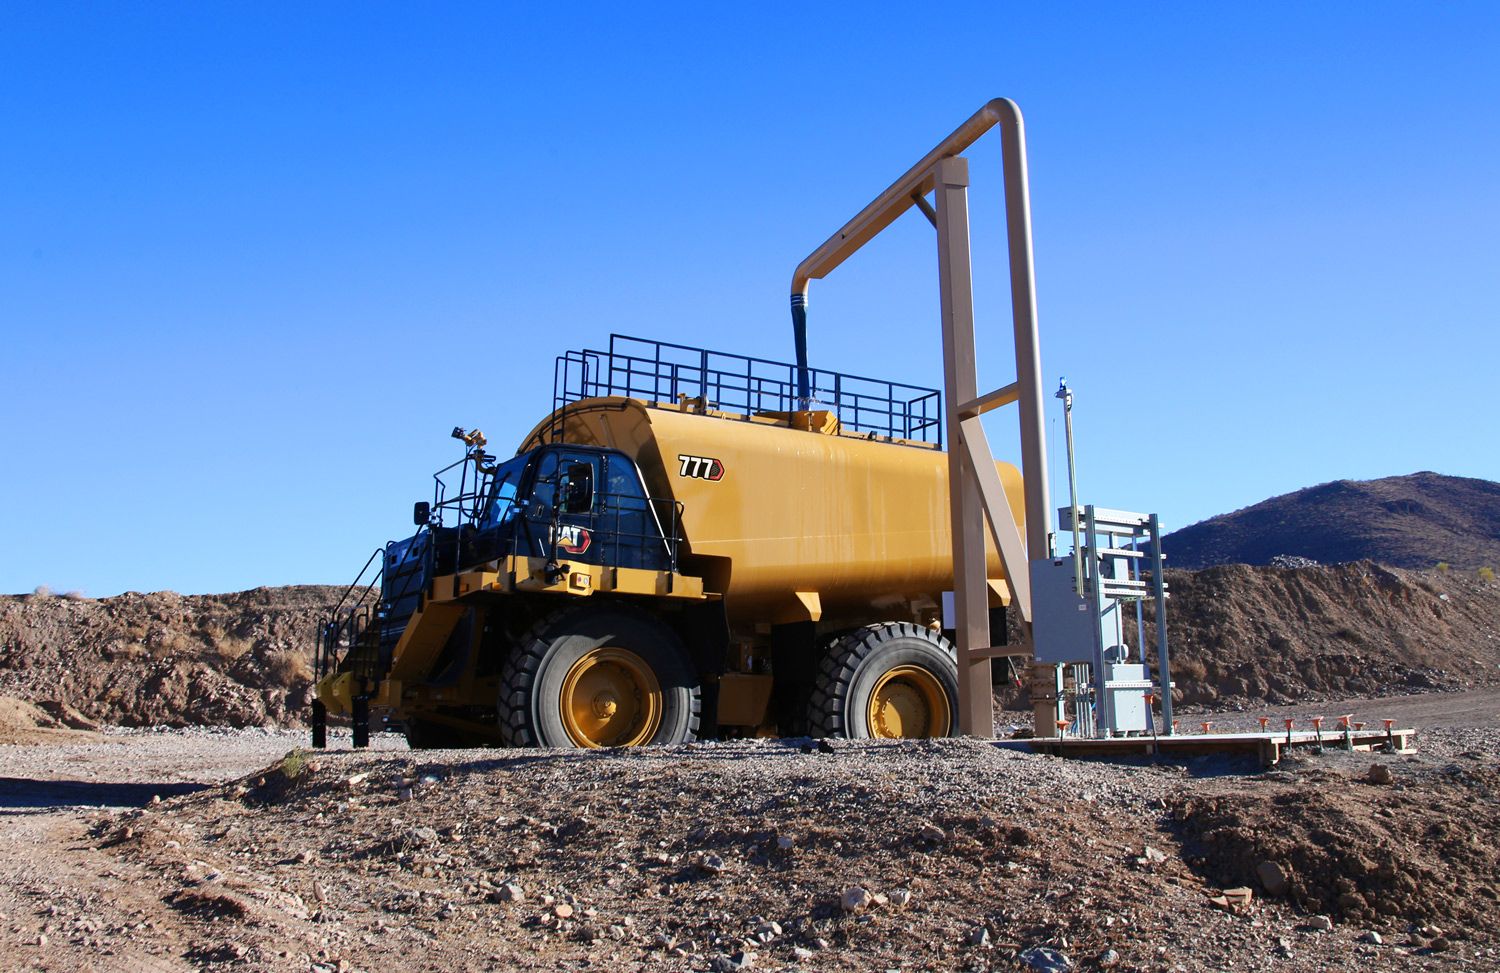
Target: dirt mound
(1239, 633)
(1411, 521)
(722, 856)
(768, 854)
(164, 659)
(24, 722)
(1423, 849)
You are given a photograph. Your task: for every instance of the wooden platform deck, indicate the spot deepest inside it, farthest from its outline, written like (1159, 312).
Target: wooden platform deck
(1267, 746)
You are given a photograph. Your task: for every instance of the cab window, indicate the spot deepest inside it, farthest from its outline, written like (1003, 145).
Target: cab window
(503, 493)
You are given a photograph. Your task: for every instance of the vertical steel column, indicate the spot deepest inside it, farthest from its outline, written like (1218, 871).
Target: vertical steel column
(970, 587)
(1028, 350)
(1163, 660)
(1029, 377)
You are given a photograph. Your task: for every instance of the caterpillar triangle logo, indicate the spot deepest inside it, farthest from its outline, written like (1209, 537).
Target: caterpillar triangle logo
(573, 539)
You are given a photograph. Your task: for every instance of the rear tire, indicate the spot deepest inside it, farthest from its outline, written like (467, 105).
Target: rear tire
(893, 680)
(599, 677)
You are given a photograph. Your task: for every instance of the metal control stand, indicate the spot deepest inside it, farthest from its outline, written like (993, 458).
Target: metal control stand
(1081, 620)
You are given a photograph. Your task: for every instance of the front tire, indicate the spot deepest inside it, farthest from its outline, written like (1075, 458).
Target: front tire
(890, 681)
(599, 677)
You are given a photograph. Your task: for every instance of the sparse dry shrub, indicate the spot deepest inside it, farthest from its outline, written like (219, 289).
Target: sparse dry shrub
(230, 647)
(121, 650)
(287, 667)
(76, 595)
(41, 591)
(1487, 574)
(173, 642)
(227, 647)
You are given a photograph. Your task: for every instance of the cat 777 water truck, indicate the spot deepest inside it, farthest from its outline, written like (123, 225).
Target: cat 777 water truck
(677, 550)
(697, 544)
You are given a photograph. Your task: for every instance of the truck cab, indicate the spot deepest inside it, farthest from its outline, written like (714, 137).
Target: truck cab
(561, 503)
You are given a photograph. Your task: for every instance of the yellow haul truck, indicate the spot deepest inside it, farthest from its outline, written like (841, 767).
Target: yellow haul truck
(692, 544)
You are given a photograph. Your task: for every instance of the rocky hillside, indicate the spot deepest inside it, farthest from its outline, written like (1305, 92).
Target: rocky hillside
(165, 659)
(1239, 635)
(1415, 521)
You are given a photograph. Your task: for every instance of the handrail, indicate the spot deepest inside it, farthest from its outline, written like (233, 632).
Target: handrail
(334, 624)
(660, 371)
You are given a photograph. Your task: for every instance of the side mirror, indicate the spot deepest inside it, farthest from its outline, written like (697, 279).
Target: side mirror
(421, 513)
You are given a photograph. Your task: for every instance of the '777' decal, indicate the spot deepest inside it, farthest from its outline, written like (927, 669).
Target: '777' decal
(700, 467)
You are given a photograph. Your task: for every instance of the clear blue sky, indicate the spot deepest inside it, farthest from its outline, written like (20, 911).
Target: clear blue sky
(257, 259)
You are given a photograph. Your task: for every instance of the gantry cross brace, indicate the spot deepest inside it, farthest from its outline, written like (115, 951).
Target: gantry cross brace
(975, 491)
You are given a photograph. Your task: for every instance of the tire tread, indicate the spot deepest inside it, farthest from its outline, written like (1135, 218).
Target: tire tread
(836, 670)
(524, 662)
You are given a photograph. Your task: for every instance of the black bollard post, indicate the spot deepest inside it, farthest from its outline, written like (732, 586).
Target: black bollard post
(361, 720)
(319, 725)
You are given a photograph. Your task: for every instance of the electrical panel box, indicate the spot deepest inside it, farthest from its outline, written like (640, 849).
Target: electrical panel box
(1127, 686)
(1063, 623)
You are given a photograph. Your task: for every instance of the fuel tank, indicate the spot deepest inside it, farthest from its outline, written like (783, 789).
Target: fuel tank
(787, 516)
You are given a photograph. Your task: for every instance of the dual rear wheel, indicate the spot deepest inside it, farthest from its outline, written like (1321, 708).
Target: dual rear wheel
(890, 681)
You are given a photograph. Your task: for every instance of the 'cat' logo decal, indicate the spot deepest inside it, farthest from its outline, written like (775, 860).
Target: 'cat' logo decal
(700, 467)
(573, 539)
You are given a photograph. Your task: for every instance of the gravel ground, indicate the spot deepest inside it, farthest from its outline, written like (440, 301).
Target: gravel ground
(219, 849)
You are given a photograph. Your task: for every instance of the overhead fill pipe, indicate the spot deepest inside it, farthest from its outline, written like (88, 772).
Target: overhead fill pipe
(886, 209)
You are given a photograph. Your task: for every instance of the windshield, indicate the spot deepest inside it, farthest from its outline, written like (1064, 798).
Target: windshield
(503, 506)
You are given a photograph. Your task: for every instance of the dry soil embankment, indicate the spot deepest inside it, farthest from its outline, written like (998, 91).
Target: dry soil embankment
(1239, 636)
(164, 659)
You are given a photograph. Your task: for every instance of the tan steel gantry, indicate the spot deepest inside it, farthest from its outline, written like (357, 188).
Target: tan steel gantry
(974, 485)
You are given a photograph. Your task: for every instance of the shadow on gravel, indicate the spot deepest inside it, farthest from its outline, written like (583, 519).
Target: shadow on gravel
(20, 794)
(1212, 765)
(501, 760)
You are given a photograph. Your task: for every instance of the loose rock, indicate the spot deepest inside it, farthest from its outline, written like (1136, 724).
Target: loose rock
(1272, 878)
(855, 899)
(1046, 960)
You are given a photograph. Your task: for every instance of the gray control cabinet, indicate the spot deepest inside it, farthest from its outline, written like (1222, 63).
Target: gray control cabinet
(1063, 622)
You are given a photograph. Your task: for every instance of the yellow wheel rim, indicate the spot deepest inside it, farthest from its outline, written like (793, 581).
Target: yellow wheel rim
(907, 702)
(610, 698)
